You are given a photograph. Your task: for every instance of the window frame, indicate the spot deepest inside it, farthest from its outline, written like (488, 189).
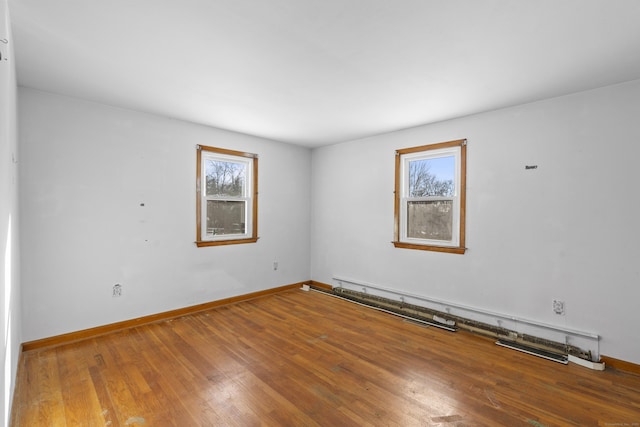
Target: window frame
(251, 195)
(401, 199)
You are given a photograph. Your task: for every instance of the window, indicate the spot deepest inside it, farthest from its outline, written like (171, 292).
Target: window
(429, 207)
(226, 197)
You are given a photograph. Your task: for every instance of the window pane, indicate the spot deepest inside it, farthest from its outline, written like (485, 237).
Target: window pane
(225, 217)
(432, 177)
(225, 179)
(430, 219)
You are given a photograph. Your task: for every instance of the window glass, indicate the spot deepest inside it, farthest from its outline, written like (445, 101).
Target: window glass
(225, 178)
(430, 220)
(226, 217)
(432, 177)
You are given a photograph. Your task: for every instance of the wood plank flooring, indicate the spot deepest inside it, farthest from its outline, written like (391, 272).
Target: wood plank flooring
(308, 359)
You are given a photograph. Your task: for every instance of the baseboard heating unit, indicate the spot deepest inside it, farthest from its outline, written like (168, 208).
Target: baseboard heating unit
(547, 341)
(560, 358)
(447, 325)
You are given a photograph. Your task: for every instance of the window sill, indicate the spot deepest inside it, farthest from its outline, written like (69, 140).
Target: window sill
(447, 249)
(205, 243)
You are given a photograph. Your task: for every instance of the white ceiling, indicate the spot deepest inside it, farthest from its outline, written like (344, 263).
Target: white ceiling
(317, 72)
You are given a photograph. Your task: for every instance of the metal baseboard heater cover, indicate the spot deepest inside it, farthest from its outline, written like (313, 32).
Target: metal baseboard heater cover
(560, 358)
(540, 347)
(437, 322)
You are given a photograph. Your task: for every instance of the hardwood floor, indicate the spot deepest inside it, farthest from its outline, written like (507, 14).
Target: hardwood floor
(308, 359)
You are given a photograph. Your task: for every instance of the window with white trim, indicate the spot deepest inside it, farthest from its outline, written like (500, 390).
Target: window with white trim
(430, 189)
(226, 192)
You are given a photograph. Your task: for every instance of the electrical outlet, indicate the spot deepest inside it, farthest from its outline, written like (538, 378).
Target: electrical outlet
(275, 265)
(117, 290)
(558, 307)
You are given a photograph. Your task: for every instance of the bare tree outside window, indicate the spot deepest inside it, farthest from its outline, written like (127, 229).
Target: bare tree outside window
(225, 178)
(423, 182)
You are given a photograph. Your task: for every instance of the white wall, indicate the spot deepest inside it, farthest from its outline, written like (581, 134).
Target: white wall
(567, 230)
(9, 249)
(85, 171)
